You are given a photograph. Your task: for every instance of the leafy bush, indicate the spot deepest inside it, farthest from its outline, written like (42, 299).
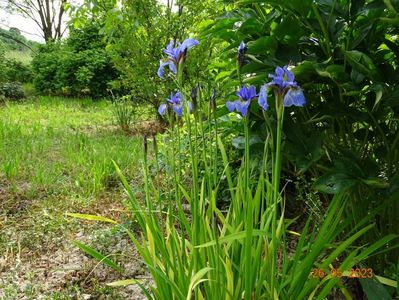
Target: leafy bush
(12, 90)
(79, 67)
(18, 71)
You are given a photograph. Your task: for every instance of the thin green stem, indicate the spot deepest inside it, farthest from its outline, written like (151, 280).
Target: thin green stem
(276, 186)
(249, 215)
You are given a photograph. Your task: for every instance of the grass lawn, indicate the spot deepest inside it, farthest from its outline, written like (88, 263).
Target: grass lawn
(56, 157)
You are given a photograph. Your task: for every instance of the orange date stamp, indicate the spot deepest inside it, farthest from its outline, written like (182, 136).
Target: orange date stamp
(338, 273)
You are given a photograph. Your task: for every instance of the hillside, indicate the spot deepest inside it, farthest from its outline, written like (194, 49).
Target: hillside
(13, 40)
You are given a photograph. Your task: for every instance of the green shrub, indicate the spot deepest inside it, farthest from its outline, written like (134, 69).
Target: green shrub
(12, 90)
(18, 71)
(79, 67)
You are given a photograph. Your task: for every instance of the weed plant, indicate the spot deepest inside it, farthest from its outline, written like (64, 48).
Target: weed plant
(124, 112)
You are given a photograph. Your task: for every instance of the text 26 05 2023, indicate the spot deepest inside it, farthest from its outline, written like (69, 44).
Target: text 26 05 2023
(352, 273)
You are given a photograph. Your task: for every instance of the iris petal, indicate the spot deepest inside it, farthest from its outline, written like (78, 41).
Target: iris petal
(298, 97)
(169, 50)
(262, 100)
(231, 106)
(241, 48)
(188, 44)
(279, 72)
(242, 107)
(175, 52)
(290, 76)
(172, 67)
(162, 65)
(247, 93)
(178, 108)
(288, 100)
(174, 99)
(251, 92)
(294, 97)
(162, 109)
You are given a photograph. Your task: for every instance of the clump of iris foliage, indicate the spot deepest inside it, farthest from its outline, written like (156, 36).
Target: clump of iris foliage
(238, 251)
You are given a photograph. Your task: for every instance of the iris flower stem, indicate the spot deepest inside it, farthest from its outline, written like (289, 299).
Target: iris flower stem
(194, 169)
(239, 73)
(213, 108)
(146, 183)
(276, 186)
(249, 215)
(246, 158)
(174, 168)
(194, 195)
(157, 172)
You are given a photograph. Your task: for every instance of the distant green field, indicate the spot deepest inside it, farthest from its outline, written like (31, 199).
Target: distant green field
(22, 56)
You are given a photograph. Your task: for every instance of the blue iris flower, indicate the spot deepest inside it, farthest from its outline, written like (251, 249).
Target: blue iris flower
(176, 103)
(175, 55)
(246, 94)
(284, 81)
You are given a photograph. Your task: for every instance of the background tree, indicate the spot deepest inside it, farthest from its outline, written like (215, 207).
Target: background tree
(47, 14)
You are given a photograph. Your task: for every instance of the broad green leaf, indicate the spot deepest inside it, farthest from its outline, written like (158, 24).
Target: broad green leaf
(222, 75)
(289, 31)
(263, 45)
(333, 183)
(376, 182)
(361, 63)
(374, 290)
(239, 142)
(335, 72)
